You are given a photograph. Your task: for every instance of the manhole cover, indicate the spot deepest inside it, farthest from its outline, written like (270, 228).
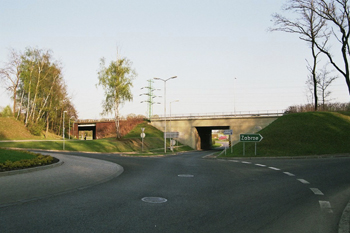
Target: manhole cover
(154, 199)
(186, 175)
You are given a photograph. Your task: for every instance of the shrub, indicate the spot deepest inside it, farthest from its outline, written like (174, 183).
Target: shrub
(6, 112)
(27, 163)
(36, 128)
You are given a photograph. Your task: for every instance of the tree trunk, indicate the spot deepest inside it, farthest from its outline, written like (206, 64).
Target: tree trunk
(117, 119)
(314, 75)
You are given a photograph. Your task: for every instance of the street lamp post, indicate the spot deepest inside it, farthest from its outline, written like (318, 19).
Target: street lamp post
(63, 128)
(165, 80)
(171, 146)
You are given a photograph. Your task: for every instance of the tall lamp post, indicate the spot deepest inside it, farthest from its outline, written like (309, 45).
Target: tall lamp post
(165, 80)
(63, 128)
(171, 146)
(69, 127)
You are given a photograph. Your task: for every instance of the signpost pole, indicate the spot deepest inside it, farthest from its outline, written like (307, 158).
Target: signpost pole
(243, 148)
(142, 136)
(250, 138)
(255, 148)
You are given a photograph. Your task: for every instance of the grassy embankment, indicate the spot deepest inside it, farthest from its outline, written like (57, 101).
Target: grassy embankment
(153, 142)
(299, 134)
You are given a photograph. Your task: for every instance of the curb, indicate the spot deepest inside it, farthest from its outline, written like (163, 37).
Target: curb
(344, 223)
(31, 169)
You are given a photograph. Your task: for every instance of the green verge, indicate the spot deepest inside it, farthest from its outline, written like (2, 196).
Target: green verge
(300, 134)
(153, 143)
(15, 159)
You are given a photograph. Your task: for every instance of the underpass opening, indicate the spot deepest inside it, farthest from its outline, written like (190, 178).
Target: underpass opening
(205, 136)
(83, 131)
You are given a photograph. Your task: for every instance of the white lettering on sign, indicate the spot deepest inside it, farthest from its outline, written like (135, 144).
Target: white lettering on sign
(249, 138)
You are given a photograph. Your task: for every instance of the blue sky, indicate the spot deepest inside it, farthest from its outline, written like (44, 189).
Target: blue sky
(207, 44)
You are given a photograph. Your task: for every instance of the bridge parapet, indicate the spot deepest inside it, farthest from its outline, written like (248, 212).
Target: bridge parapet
(94, 120)
(222, 115)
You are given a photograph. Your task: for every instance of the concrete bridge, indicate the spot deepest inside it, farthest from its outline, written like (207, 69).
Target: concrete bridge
(196, 130)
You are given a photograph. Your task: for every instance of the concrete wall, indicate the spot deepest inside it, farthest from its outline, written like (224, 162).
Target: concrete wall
(190, 136)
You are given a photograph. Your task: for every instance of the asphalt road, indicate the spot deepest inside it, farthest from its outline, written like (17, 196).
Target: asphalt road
(196, 195)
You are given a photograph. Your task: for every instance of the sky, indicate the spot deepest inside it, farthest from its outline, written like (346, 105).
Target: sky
(224, 57)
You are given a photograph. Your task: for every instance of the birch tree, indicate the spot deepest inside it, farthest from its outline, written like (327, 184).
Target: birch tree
(116, 80)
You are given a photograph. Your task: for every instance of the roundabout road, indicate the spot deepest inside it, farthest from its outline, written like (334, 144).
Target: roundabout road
(186, 193)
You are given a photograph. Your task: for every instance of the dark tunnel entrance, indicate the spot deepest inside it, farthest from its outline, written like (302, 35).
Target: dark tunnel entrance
(205, 135)
(88, 127)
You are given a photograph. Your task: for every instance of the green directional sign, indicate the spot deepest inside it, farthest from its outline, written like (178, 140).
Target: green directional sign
(249, 137)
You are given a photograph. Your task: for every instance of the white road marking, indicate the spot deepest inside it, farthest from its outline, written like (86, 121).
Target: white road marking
(274, 168)
(246, 162)
(326, 205)
(303, 181)
(316, 191)
(289, 174)
(234, 161)
(260, 165)
(186, 175)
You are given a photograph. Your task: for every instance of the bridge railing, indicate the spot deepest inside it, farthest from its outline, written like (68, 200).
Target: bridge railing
(94, 120)
(241, 114)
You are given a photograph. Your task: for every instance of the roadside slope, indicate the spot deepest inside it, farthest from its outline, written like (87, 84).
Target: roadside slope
(13, 129)
(311, 133)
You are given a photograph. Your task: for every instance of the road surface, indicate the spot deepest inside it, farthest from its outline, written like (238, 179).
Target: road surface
(187, 193)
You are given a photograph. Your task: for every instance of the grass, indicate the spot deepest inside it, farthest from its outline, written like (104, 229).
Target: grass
(11, 129)
(14, 155)
(131, 143)
(312, 133)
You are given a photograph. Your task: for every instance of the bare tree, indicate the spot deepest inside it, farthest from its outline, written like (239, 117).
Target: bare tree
(309, 26)
(337, 14)
(324, 80)
(11, 74)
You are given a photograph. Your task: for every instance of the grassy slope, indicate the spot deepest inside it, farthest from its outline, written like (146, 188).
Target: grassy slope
(13, 129)
(312, 133)
(130, 143)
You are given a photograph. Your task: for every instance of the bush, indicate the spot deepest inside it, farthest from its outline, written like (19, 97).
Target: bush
(27, 163)
(328, 107)
(36, 128)
(6, 112)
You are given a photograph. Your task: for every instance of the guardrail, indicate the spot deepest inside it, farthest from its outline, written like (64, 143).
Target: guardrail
(222, 115)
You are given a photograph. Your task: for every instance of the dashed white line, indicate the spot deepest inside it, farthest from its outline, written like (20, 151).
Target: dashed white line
(326, 206)
(234, 161)
(246, 162)
(303, 181)
(260, 165)
(316, 191)
(289, 174)
(274, 168)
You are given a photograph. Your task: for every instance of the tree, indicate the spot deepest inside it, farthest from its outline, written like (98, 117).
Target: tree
(324, 78)
(310, 26)
(337, 14)
(10, 75)
(42, 92)
(116, 80)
